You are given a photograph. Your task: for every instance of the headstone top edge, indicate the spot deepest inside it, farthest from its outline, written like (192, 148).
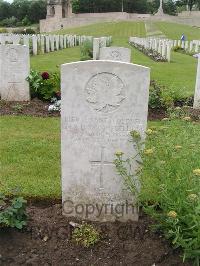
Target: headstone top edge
(100, 62)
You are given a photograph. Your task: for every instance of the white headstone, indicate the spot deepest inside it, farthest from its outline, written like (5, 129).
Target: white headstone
(57, 38)
(96, 48)
(102, 101)
(52, 43)
(196, 104)
(191, 46)
(26, 40)
(61, 42)
(14, 69)
(35, 44)
(42, 44)
(47, 43)
(115, 54)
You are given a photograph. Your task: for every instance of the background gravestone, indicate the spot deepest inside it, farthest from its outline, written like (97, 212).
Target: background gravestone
(115, 54)
(14, 69)
(101, 103)
(196, 104)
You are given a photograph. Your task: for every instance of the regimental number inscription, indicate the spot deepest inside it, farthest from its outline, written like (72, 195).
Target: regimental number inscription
(105, 92)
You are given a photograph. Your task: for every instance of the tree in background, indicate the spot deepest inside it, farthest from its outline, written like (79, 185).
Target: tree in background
(188, 3)
(21, 12)
(5, 10)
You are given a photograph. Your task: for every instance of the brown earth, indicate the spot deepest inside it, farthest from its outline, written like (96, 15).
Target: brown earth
(39, 108)
(47, 241)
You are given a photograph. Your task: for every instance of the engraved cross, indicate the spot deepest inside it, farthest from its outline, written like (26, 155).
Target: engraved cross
(101, 163)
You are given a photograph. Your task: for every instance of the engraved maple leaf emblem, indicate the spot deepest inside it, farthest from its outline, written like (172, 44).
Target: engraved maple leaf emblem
(105, 92)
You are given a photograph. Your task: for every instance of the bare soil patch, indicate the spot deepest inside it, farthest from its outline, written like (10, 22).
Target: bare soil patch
(47, 241)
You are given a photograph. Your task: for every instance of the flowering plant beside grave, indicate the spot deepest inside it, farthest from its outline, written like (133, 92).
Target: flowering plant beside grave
(44, 85)
(169, 192)
(181, 50)
(149, 52)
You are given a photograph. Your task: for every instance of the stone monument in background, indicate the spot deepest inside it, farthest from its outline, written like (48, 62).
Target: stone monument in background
(59, 9)
(160, 10)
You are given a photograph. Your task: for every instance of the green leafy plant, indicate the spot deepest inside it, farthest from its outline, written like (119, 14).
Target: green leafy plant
(161, 97)
(86, 50)
(181, 50)
(12, 212)
(171, 196)
(18, 107)
(125, 167)
(168, 192)
(85, 235)
(44, 85)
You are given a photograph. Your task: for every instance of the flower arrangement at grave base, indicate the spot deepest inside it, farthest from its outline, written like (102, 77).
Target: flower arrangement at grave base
(149, 52)
(181, 50)
(44, 85)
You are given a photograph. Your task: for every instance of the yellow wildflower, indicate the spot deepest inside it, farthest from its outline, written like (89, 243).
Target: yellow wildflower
(135, 135)
(148, 151)
(196, 172)
(193, 197)
(172, 214)
(149, 131)
(119, 153)
(187, 118)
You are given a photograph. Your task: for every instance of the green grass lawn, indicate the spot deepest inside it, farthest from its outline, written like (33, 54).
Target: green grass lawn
(30, 154)
(174, 30)
(178, 76)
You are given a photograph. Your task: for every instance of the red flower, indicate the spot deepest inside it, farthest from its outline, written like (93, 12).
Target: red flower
(45, 75)
(58, 94)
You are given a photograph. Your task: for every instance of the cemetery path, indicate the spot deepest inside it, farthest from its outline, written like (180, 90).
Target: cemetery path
(47, 241)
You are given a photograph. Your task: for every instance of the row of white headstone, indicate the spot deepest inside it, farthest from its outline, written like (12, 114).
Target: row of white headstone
(190, 46)
(48, 43)
(161, 46)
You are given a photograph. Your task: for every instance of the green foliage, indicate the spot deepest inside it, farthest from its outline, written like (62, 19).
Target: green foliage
(124, 166)
(170, 8)
(12, 212)
(44, 88)
(161, 97)
(3, 31)
(85, 235)
(170, 189)
(179, 49)
(5, 10)
(171, 184)
(24, 11)
(9, 22)
(86, 50)
(24, 31)
(18, 107)
(26, 21)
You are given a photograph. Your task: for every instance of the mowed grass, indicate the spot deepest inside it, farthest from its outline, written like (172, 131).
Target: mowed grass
(174, 30)
(178, 76)
(30, 155)
(53, 61)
